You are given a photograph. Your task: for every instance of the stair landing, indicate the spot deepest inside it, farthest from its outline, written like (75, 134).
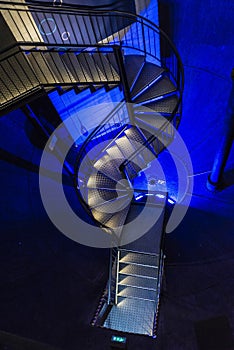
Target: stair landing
(132, 316)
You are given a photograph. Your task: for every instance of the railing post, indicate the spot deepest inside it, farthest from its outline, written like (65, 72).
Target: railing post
(215, 178)
(124, 80)
(110, 277)
(143, 37)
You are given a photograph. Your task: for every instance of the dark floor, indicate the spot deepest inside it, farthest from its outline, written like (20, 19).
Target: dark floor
(50, 286)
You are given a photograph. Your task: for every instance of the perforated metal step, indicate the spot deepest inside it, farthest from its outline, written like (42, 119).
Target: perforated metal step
(108, 167)
(59, 68)
(97, 195)
(107, 69)
(132, 315)
(149, 73)
(115, 153)
(138, 258)
(42, 68)
(117, 220)
(136, 136)
(152, 122)
(91, 67)
(77, 70)
(128, 149)
(112, 206)
(138, 270)
(16, 79)
(133, 65)
(140, 282)
(101, 216)
(99, 180)
(137, 293)
(166, 105)
(160, 88)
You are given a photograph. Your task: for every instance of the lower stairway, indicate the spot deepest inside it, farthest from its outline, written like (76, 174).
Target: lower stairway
(137, 293)
(131, 299)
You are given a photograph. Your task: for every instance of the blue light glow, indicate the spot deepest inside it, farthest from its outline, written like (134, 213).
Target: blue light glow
(139, 197)
(160, 195)
(171, 201)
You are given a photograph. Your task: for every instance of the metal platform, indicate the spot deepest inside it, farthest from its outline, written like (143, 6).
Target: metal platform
(132, 316)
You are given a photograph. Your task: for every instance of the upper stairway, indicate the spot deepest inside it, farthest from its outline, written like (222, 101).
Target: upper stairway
(44, 47)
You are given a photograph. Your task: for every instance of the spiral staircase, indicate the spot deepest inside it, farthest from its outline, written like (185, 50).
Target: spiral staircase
(139, 59)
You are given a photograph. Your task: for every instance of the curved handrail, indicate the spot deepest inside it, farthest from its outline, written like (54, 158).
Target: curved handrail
(80, 7)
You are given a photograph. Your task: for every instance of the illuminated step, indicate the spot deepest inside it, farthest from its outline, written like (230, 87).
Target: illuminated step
(138, 270)
(137, 293)
(139, 282)
(139, 258)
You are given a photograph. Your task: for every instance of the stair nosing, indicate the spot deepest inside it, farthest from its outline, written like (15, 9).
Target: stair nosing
(109, 201)
(141, 276)
(148, 86)
(138, 287)
(137, 252)
(137, 264)
(131, 297)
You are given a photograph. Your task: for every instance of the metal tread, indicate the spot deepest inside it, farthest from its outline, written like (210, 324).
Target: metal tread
(105, 66)
(161, 87)
(100, 180)
(132, 315)
(155, 121)
(149, 73)
(128, 148)
(133, 65)
(59, 68)
(138, 270)
(136, 135)
(101, 216)
(90, 66)
(42, 68)
(112, 206)
(10, 73)
(108, 167)
(137, 293)
(77, 70)
(95, 195)
(139, 258)
(166, 105)
(139, 282)
(117, 220)
(115, 153)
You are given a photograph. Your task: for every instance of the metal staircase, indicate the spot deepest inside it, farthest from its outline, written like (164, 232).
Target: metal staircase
(105, 49)
(137, 293)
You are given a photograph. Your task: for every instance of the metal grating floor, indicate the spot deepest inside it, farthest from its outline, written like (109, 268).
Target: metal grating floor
(132, 316)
